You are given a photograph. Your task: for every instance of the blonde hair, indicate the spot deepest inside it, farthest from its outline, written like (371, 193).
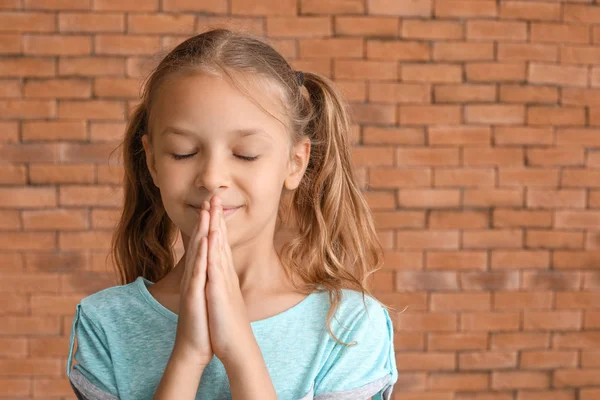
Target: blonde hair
(335, 245)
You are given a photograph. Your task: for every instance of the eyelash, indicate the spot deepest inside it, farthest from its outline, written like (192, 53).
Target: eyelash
(184, 156)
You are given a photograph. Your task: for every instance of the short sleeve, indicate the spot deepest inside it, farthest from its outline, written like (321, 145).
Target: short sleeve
(366, 369)
(92, 378)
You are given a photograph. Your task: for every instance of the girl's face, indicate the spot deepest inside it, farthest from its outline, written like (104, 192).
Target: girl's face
(209, 138)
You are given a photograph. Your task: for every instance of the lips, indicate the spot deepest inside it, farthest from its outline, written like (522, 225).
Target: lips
(227, 210)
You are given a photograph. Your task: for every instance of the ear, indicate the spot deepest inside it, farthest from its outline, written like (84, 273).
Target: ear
(298, 164)
(150, 160)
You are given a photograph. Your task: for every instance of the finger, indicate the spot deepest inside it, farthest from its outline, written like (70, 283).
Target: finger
(192, 250)
(213, 255)
(200, 270)
(214, 209)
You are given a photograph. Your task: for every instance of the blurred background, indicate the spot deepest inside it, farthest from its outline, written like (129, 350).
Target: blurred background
(477, 141)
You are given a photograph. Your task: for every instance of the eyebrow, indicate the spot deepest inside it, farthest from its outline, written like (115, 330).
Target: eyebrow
(241, 132)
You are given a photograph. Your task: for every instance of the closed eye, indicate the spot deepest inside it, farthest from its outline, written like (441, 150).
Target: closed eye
(184, 156)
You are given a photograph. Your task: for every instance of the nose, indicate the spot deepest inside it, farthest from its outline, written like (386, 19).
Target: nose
(213, 173)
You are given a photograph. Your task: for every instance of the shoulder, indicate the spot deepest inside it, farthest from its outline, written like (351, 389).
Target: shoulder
(109, 302)
(358, 312)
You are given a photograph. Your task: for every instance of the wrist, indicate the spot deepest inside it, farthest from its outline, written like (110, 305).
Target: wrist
(185, 355)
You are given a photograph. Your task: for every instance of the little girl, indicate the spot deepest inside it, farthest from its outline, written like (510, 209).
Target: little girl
(230, 146)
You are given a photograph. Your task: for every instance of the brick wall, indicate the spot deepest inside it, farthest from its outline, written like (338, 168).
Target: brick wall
(477, 126)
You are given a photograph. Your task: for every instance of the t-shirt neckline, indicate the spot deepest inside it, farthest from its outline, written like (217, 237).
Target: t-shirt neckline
(143, 283)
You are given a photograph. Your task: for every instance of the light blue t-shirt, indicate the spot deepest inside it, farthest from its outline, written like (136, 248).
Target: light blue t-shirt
(125, 338)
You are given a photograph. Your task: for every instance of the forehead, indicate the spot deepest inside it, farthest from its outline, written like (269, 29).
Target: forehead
(205, 103)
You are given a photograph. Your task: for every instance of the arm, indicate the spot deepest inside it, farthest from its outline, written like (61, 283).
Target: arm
(181, 378)
(249, 377)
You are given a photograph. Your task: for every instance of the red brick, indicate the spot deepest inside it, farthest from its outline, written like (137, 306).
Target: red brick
(576, 340)
(431, 239)
(332, 47)
(57, 88)
(463, 135)
(575, 259)
(493, 238)
(401, 7)
(380, 200)
(460, 301)
(452, 51)
(91, 22)
(464, 94)
(571, 156)
(559, 33)
(97, 109)
(10, 43)
(588, 394)
(486, 360)
(428, 198)
(528, 94)
(502, 259)
(396, 50)
(427, 156)
(411, 260)
(27, 22)
(489, 321)
(552, 320)
(425, 361)
(495, 114)
(464, 177)
(410, 281)
(374, 113)
(432, 29)
(426, 322)
(493, 197)
(260, 7)
(463, 260)
(161, 23)
(579, 54)
(126, 5)
(579, 13)
(551, 280)
(399, 177)
(461, 8)
(332, 7)
(298, 27)
(485, 156)
(558, 116)
(27, 67)
(562, 198)
(458, 381)
(399, 219)
(56, 45)
(528, 177)
(549, 359)
(522, 300)
(527, 52)
(126, 45)
(496, 71)
(360, 25)
(91, 66)
(557, 74)
(576, 377)
(577, 219)
(496, 30)
(519, 380)
(457, 341)
(577, 300)
(591, 280)
(523, 136)
(554, 239)
(434, 73)
(430, 115)
(530, 10)
(409, 93)
(458, 219)
(58, 4)
(363, 69)
(489, 280)
(520, 341)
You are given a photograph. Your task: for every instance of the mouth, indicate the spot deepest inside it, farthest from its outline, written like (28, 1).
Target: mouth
(226, 211)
